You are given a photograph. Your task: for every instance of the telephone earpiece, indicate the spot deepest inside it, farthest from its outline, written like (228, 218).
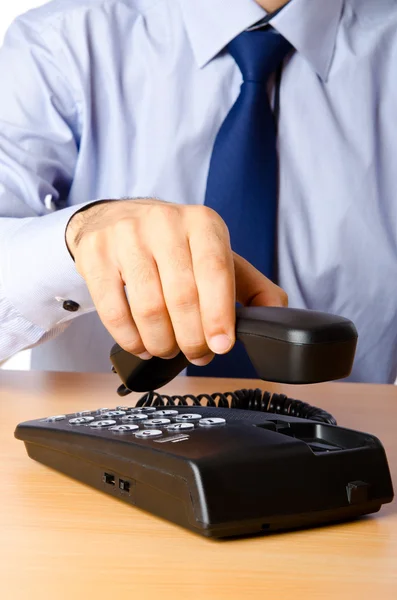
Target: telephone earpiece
(285, 345)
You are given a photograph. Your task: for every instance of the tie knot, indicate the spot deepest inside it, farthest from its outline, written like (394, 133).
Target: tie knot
(259, 53)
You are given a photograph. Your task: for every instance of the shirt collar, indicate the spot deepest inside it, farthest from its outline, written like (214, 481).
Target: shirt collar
(309, 25)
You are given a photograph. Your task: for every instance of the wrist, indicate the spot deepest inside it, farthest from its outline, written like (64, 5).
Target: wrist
(76, 224)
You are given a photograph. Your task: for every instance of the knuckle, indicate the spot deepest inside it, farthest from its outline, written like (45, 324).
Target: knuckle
(169, 209)
(125, 226)
(91, 243)
(215, 322)
(113, 316)
(153, 311)
(142, 272)
(212, 221)
(179, 259)
(206, 213)
(163, 213)
(184, 300)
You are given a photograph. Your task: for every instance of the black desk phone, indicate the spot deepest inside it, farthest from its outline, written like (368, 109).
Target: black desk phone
(240, 463)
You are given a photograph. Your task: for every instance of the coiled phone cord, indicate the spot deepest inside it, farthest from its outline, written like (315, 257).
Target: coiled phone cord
(257, 399)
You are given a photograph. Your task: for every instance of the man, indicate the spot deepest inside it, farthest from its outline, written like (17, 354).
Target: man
(265, 127)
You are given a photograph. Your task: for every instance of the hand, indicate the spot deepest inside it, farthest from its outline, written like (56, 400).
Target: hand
(175, 264)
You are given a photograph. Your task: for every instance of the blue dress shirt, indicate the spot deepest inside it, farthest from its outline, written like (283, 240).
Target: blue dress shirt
(115, 98)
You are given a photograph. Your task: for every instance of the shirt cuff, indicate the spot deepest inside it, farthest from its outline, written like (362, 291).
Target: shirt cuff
(38, 274)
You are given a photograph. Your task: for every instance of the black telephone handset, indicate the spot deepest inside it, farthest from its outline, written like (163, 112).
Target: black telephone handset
(285, 345)
(273, 464)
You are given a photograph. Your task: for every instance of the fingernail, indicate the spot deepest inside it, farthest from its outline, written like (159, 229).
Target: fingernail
(202, 361)
(220, 344)
(145, 356)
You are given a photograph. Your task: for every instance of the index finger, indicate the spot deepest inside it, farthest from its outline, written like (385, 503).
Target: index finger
(213, 269)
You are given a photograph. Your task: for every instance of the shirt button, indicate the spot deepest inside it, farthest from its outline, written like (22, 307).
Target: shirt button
(71, 306)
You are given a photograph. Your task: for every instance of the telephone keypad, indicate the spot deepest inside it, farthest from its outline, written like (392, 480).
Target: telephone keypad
(146, 422)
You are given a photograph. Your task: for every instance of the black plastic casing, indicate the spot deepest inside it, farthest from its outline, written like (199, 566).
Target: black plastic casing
(285, 345)
(258, 473)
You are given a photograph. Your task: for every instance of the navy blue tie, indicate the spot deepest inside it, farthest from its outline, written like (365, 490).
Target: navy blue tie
(242, 182)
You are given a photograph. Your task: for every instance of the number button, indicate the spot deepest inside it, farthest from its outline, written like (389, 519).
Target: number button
(102, 424)
(212, 422)
(180, 427)
(135, 417)
(192, 417)
(83, 413)
(113, 413)
(56, 418)
(149, 433)
(156, 423)
(81, 420)
(123, 428)
(167, 413)
(144, 409)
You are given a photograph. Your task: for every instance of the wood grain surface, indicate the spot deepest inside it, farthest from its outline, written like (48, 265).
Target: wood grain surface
(62, 540)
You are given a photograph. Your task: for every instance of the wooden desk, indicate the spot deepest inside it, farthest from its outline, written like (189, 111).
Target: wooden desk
(60, 539)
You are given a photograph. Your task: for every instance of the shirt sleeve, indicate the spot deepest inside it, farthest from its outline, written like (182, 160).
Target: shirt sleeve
(39, 137)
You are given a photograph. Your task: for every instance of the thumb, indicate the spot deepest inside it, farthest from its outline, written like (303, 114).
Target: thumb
(253, 288)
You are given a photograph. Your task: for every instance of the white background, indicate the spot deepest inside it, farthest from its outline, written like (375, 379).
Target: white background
(9, 9)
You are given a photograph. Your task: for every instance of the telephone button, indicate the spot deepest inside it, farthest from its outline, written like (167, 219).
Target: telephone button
(156, 423)
(80, 420)
(188, 417)
(136, 417)
(149, 433)
(167, 413)
(102, 424)
(56, 418)
(180, 427)
(113, 413)
(212, 422)
(127, 428)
